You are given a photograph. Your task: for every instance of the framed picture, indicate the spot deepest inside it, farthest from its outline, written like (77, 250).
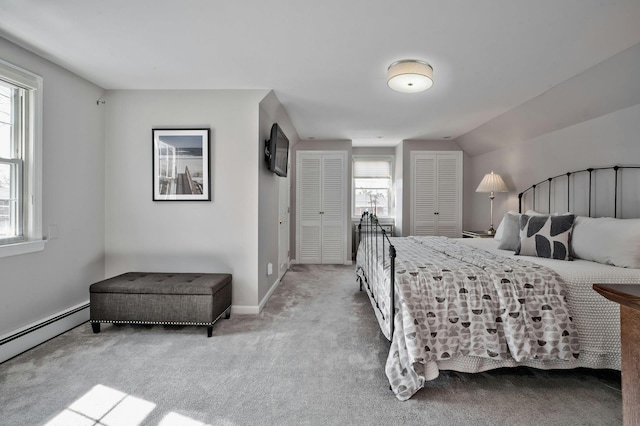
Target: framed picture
(181, 165)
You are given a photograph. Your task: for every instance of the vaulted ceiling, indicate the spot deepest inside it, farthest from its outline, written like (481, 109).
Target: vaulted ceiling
(327, 60)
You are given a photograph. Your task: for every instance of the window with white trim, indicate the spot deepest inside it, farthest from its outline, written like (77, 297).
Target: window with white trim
(372, 185)
(20, 162)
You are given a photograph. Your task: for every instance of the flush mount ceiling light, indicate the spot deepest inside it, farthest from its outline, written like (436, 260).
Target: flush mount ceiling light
(410, 76)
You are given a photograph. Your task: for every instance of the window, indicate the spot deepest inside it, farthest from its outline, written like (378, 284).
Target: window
(20, 160)
(372, 184)
(11, 161)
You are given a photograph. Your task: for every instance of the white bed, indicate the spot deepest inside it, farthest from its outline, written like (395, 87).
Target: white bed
(416, 284)
(595, 318)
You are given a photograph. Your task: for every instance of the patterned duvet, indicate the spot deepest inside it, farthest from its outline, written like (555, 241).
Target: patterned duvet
(454, 300)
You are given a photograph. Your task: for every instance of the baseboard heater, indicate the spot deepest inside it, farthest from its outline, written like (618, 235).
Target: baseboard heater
(41, 331)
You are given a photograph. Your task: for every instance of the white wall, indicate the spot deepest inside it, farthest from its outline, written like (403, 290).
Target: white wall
(187, 236)
(37, 285)
(399, 183)
(271, 111)
(604, 141)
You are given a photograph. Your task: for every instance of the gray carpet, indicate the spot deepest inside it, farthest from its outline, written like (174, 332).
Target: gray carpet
(314, 356)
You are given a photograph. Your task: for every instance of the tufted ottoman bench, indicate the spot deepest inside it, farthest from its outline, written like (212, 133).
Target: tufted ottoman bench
(159, 298)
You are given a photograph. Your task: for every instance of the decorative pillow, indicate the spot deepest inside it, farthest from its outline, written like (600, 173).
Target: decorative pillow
(607, 240)
(500, 231)
(511, 232)
(546, 236)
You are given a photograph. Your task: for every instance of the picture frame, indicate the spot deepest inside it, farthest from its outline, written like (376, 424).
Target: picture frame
(181, 165)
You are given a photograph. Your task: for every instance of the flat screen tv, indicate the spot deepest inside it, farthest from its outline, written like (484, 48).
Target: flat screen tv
(276, 151)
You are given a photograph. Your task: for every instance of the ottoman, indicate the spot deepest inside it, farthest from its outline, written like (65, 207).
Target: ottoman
(161, 298)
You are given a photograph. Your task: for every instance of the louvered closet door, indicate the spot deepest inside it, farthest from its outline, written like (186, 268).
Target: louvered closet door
(423, 193)
(333, 208)
(309, 174)
(448, 188)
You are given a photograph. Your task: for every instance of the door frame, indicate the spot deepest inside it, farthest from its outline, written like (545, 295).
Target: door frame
(284, 196)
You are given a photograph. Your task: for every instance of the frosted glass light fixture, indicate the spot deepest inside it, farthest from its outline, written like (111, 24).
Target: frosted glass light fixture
(492, 182)
(410, 76)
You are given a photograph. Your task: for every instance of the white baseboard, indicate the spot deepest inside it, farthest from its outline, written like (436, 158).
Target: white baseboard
(30, 336)
(348, 262)
(255, 310)
(268, 295)
(245, 310)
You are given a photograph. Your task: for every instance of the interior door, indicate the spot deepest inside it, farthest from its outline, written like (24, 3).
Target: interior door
(333, 208)
(448, 189)
(308, 184)
(424, 211)
(283, 227)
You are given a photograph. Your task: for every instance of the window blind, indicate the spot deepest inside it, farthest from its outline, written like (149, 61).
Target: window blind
(371, 169)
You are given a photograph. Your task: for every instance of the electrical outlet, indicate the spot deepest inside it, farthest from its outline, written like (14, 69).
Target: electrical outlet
(269, 269)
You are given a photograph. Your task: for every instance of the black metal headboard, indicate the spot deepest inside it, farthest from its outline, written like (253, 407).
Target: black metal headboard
(552, 184)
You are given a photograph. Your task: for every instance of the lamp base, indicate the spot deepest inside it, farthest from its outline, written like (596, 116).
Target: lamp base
(491, 231)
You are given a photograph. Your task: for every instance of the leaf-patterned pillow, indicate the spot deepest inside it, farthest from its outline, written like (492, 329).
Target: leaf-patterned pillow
(546, 236)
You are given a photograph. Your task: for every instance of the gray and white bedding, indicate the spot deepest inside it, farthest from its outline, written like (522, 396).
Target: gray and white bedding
(463, 308)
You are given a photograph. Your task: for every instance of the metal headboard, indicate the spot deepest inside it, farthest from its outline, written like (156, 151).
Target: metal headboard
(591, 171)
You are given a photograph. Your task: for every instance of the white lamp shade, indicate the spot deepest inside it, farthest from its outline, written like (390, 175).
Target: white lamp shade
(492, 182)
(410, 76)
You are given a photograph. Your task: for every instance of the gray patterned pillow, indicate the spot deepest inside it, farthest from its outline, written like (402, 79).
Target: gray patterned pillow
(546, 236)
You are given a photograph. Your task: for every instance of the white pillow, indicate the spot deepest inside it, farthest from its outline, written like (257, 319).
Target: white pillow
(535, 213)
(607, 240)
(500, 231)
(510, 232)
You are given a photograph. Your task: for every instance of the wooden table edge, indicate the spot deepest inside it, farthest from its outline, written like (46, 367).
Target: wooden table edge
(613, 293)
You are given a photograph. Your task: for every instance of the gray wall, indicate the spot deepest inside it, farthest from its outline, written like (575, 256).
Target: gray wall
(271, 111)
(34, 286)
(604, 141)
(216, 236)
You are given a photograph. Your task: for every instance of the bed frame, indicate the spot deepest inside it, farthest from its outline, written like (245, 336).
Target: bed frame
(373, 235)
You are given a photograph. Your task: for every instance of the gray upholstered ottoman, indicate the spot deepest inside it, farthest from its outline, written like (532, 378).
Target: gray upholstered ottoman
(157, 298)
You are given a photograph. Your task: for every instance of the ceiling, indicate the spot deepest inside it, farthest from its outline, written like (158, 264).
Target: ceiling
(327, 60)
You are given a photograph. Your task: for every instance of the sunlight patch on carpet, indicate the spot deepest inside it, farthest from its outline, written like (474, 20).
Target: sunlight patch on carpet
(105, 406)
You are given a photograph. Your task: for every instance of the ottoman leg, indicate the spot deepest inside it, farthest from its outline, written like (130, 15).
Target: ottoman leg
(209, 330)
(227, 314)
(96, 327)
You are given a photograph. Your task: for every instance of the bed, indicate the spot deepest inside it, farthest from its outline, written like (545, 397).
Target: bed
(468, 305)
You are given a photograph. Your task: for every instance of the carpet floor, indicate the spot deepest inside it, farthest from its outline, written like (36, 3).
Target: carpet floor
(314, 356)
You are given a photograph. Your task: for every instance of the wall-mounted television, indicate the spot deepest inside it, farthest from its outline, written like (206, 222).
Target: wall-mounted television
(276, 151)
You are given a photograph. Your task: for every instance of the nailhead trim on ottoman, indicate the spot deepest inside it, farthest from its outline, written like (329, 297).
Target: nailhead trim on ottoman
(161, 298)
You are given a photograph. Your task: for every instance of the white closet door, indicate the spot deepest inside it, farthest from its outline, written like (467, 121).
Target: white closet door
(423, 194)
(436, 193)
(448, 190)
(333, 208)
(309, 174)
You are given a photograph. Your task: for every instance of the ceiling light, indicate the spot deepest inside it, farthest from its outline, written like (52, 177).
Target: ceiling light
(410, 76)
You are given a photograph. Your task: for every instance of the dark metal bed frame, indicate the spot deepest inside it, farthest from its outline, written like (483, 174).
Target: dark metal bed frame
(373, 235)
(592, 171)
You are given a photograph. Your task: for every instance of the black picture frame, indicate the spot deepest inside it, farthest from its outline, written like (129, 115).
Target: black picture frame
(181, 164)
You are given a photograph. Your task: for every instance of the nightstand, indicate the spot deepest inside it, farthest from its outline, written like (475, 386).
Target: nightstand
(628, 296)
(476, 234)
